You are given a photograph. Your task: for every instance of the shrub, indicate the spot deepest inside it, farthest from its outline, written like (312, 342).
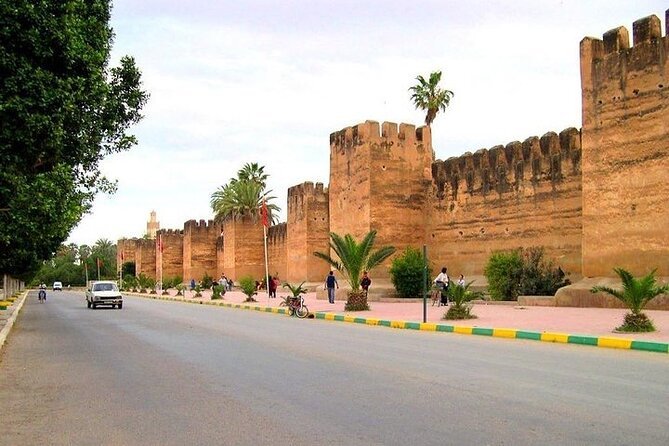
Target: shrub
(217, 292)
(144, 282)
(522, 271)
(198, 291)
(460, 296)
(248, 287)
(540, 277)
(207, 281)
(504, 272)
(129, 282)
(406, 273)
(180, 289)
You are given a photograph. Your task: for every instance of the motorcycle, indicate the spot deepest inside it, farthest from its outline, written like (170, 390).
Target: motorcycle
(41, 296)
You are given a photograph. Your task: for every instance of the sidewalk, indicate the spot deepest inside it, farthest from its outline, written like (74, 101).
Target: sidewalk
(598, 322)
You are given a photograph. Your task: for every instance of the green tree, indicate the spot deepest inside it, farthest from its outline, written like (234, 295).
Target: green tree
(243, 197)
(352, 258)
(248, 287)
(429, 97)
(63, 109)
(504, 272)
(406, 273)
(635, 294)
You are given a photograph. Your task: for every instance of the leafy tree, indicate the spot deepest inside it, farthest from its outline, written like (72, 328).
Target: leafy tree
(406, 273)
(254, 173)
(63, 109)
(429, 97)
(207, 281)
(351, 260)
(635, 293)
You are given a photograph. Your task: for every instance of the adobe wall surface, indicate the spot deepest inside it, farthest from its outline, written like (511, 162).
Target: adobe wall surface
(172, 255)
(220, 257)
(625, 92)
(379, 180)
(243, 250)
(276, 251)
(127, 247)
(199, 249)
(518, 195)
(145, 258)
(307, 232)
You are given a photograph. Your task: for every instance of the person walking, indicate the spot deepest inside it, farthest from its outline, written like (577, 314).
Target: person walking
(330, 284)
(365, 282)
(273, 283)
(441, 281)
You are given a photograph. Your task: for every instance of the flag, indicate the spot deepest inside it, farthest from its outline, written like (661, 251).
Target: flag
(263, 213)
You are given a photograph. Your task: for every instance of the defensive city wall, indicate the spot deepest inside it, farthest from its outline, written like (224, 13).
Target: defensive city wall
(595, 198)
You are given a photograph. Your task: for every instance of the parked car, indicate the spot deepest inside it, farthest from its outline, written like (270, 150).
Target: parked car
(104, 292)
(58, 286)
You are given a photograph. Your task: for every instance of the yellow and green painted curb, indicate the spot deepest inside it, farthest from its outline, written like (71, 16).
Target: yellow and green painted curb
(509, 333)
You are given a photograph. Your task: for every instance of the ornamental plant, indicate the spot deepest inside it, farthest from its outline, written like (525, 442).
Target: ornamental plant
(406, 273)
(635, 294)
(248, 287)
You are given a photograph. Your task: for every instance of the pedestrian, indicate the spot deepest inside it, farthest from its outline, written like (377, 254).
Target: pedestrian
(230, 284)
(223, 281)
(273, 282)
(365, 282)
(461, 281)
(330, 284)
(192, 284)
(442, 281)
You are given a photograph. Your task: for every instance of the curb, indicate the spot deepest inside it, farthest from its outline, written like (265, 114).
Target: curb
(508, 333)
(10, 322)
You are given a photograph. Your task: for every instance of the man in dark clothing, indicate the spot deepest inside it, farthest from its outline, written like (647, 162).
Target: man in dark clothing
(330, 284)
(365, 282)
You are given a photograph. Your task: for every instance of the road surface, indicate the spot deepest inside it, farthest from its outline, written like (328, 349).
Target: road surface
(164, 373)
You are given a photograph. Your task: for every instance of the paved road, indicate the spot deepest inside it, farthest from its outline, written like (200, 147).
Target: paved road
(161, 373)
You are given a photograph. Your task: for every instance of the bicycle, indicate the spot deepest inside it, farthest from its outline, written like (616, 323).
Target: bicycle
(297, 307)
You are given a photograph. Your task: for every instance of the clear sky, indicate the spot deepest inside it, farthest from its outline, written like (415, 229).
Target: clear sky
(265, 81)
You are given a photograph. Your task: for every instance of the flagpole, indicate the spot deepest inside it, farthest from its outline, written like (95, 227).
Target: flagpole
(161, 262)
(264, 230)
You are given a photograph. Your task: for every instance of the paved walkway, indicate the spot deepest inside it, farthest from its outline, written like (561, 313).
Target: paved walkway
(576, 321)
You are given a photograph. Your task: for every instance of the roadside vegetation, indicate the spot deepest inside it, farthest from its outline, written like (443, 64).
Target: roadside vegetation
(635, 294)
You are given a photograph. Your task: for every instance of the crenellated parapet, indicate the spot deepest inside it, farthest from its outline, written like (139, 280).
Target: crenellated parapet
(301, 196)
(503, 169)
(201, 226)
(389, 133)
(277, 234)
(612, 64)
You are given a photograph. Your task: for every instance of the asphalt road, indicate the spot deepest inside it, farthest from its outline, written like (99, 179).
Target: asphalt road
(162, 373)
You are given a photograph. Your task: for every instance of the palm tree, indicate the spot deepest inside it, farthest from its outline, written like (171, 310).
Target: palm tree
(429, 97)
(353, 259)
(239, 199)
(460, 295)
(636, 293)
(254, 173)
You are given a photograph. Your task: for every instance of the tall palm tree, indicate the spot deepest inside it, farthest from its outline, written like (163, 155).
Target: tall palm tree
(636, 293)
(429, 97)
(242, 198)
(351, 260)
(253, 172)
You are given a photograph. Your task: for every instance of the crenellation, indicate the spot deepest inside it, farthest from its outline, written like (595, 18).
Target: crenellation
(277, 233)
(616, 40)
(389, 130)
(646, 29)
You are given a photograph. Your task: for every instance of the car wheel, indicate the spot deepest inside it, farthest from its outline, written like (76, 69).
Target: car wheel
(120, 306)
(94, 306)
(88, 304)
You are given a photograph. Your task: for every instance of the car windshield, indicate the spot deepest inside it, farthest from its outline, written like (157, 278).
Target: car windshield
(105, 287)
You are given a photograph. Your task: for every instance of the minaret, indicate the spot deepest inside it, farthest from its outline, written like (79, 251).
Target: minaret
(152, 225)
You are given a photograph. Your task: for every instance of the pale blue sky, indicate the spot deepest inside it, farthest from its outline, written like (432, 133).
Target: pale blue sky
(267, 81)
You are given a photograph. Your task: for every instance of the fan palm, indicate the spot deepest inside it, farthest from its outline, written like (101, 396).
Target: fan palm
(254, 173)
(352, 259)
(429, 97)
(239, 199)
(635, 294)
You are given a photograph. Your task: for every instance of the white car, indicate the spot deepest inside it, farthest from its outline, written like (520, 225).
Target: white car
(104, 292)
(58, 286)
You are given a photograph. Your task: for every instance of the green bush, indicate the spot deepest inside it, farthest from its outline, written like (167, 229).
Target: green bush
(217, 292)
(503, 272)
(540, 276)
(406, 273)
(248, 287)
(207, 281)
(522, 271)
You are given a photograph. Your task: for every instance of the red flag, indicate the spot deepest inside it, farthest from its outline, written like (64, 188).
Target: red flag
(263, 213)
